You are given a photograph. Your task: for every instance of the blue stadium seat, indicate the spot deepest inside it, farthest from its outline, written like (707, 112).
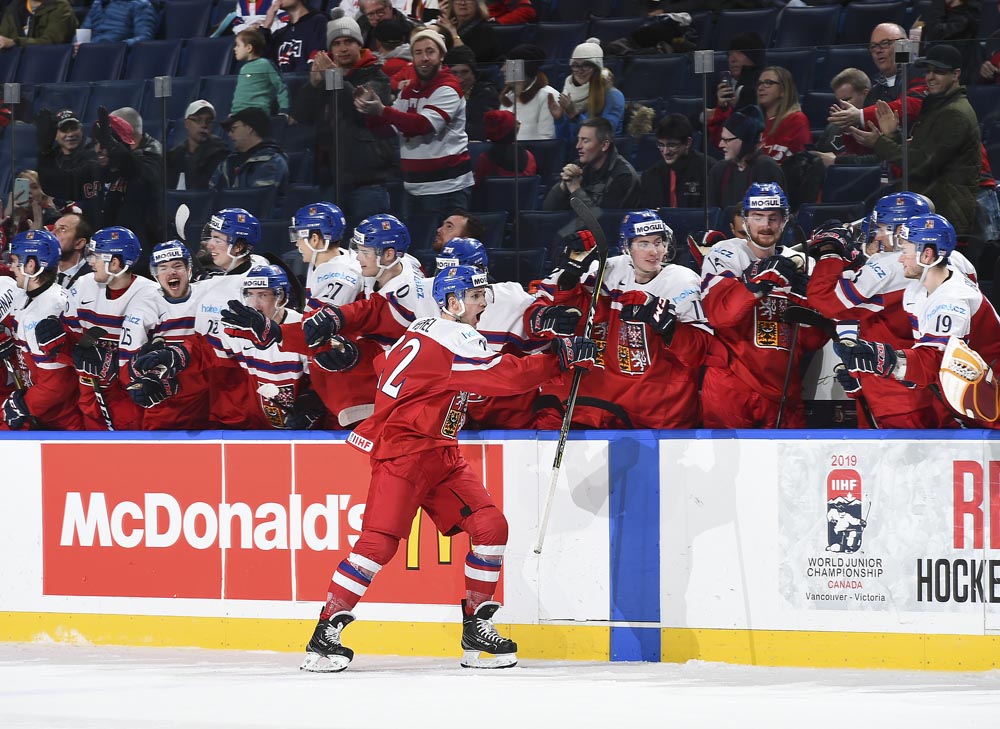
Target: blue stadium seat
(985, 100)
(497, 193)
(25, 147)
(496, 228)
(850, 184)
(186, 19)
(98, 62)
(219, 11)
(690, 106)
(816, 105)
(732, 22)
(859, 19)
(113, 95)
(567, 10)
(839, 58)
(258, 200)
(989, 20)
(8, 64)
(550, 158)
(182, 94)
(558, 39)
(299, 195)
(652, 76)
(43, 64)
(810, 215)
(513, 35)
(219, 91)
(702, 23)
(206, 57)
(523, 266)
(61, 96)
(687, 220)
(422, 227)
(273, 238)
(609, 29)
(800, 61)
(806, 27)
(199, 202)
(541, 227)
(148, 59)
(646, 153)
(300, 166)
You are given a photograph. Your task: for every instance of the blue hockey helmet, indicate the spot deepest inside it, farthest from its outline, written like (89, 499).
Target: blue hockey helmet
(236, 224)
(382, 231)
(897, 208)
(41, 245)
(463, 252)
(116, 241)
(268, 277)
(171, 250)
(930, 230)
(324, 217)
(765, 196)
(645, 222)
(456, 280)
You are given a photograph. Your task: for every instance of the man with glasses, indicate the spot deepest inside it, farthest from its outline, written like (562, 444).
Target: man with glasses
(374, 12)
(678, 179)
(746, 287)
(191, 163)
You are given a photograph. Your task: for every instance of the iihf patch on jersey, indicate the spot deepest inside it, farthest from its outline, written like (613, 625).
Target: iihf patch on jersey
(770, 329)
(844, 523)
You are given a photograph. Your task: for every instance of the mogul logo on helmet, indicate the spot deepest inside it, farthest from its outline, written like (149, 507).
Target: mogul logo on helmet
(649, 227)
(763, 203)
(167, 254)
(217, 222)
(258, 282)
(479, 279)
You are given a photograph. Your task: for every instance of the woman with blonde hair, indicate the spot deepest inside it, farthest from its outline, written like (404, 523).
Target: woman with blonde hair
(786, 128)
(589, 92)
(468, 22)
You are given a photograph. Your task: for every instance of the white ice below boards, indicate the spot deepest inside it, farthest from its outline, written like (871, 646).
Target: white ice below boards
(45, 686)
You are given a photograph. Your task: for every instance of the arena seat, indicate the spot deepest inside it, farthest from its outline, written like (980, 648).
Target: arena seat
(98, 62)
(801, 62)
(687, 220)
(733, 22)
(497, 193)
(258, 200)
(513, 35)
(219, 91)
(859, 19)
(558, 39)
(816, 106)
(58, 96)
(148, 59)
(9, 60)
(43, 64)
(610, 29)
(837, 59)
(807, 27)
(186, 19)
(848, 183)
(810, 215)
(496, 228)
(206, 57)
(114, 95)
(182, 93)
(652, 76)
(540, 228)
(507, 264)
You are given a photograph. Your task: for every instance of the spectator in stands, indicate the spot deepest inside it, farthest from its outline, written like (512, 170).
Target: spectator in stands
(429, 117)
(293, 46)
(130, 178)
(511, 12)
(786, 128)
(460, 224)
(30, 212)
(603, 179)
(67, 165)
(944, 148)
(374, 12)
(742, 162)
(112, 21)
(392, 46)
(588, 92)
(745, 61)
(955, 22)
(850, 86)
(258, 83)
(498, 160)
(366, 161)
(257, 161)
(197, 157)
(480, 95)
(534, 95)
(37, 22)
(677, 180)
(73, 234)
(141, 141)
(468, 23)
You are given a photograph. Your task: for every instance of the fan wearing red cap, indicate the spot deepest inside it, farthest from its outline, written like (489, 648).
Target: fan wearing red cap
(498, 160)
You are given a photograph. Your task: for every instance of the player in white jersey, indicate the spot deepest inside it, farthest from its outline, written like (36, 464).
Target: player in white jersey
(650, 330)
(275, 380)
(163, 360)
(334, 275)
(48, 398)
(101, 299)
(940, 302)
(11, 297)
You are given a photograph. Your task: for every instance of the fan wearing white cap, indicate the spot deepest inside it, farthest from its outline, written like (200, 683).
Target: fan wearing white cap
(191, 163)
(589, 91)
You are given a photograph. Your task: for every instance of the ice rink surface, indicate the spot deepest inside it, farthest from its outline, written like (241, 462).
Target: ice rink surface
(81, 687)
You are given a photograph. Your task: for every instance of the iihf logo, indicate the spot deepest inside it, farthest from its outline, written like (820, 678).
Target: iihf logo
(844, 523)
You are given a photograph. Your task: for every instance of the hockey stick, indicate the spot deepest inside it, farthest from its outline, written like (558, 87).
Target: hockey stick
(593, 225)
(89, 339)
(181, 220)
(788, 373)
(812, 318)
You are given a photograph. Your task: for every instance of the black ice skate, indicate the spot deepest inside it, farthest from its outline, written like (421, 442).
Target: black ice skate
(483, 646)
(325, 653)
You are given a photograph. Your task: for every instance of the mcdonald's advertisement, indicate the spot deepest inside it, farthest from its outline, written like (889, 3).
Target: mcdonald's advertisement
(231, 521)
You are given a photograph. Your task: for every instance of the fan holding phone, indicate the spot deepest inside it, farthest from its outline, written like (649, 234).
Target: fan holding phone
(28, 207)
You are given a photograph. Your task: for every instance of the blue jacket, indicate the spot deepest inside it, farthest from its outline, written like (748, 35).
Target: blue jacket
(121, 20)
(614, 112)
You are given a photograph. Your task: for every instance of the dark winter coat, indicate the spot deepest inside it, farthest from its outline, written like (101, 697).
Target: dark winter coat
(365, 158)
(615, 186)
(727, 183)
(366, 27)
(132, 190)
(198, 167)
(53, 22)
(690, 183)
(945, 156)
(292, 47)
(262, 166)
(483, 97)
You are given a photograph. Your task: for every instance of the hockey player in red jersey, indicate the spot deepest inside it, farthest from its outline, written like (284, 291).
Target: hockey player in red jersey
(746, 287)
(650, 330)
(419, 411)
(50, 398)
(940, 302)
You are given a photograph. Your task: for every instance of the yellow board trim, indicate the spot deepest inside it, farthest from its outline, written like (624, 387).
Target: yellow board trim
(437, 640)
(815, 649)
